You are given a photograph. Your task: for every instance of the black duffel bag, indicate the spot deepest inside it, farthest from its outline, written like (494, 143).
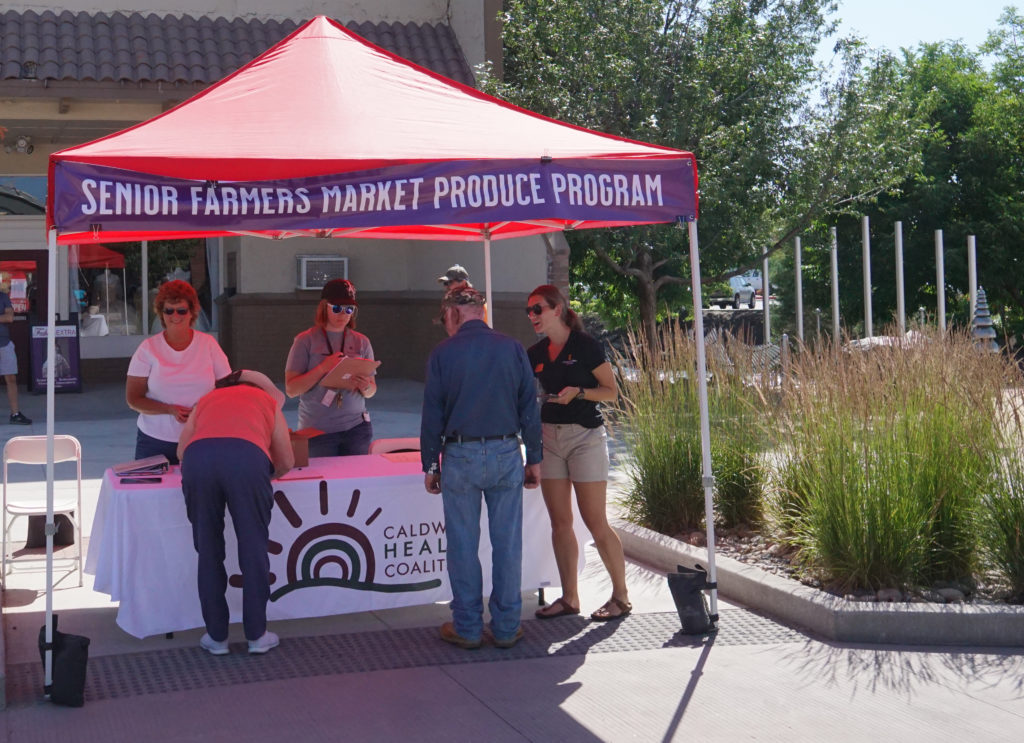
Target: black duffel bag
(687, 587)
(70, 655)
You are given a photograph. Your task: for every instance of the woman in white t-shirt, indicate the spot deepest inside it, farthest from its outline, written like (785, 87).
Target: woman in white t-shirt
(170, 371)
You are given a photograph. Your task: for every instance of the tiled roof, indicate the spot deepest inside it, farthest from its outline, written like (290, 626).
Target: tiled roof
(140, 48)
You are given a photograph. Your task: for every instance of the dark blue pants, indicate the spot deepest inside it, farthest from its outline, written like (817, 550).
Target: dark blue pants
(147, 446)
(236, 473)
(355, 440)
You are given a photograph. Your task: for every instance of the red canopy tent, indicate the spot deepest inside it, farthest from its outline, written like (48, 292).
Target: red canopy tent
(94, 255)
(327, 135)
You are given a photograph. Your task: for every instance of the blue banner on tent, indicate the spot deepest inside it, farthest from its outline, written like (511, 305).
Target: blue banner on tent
(438, 193)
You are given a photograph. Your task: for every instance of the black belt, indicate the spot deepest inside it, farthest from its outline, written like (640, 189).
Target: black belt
(459, 439)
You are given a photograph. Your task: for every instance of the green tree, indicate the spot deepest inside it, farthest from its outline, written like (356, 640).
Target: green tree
(731, 81)
(971, 182)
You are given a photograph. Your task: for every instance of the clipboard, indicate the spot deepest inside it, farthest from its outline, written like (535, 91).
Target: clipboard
(340, 377)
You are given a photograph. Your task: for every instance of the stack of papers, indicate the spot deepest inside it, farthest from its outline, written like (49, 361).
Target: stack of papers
(155, 465)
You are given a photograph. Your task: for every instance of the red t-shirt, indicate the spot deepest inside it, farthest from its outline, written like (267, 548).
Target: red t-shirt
(238, 412)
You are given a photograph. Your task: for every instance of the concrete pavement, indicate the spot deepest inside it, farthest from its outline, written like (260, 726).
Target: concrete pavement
(385, 676)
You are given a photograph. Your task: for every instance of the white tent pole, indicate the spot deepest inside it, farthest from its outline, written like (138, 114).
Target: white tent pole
(865, 240)
(487, 276)
(901, 306)
(51, 333)
(705, 424)
(797, 261)
(940, 282)
(144, 330)
(106, 290)
(972, 273)
(835, 287)
(124, 295)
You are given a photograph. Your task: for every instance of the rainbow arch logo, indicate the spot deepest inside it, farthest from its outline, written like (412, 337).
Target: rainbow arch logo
(335, 553)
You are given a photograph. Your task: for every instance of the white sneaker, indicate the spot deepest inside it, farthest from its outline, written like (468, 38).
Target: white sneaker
(213, 647)
(269, 641)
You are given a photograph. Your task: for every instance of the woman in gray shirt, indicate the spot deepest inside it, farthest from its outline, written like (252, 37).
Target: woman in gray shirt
(340, 414)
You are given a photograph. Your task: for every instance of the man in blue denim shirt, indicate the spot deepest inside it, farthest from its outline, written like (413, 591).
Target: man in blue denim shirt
(479, 397)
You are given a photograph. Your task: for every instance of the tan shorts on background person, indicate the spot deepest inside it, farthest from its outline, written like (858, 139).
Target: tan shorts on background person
(572, 452)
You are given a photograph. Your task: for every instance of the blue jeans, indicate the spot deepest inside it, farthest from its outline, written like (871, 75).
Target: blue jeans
(354, 441)
(147, 446)
(234, 473)
(493, 469)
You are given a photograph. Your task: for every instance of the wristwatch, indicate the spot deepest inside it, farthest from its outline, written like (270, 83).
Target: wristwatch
(579, 395)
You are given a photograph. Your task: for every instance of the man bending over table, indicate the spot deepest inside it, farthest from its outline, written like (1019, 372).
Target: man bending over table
(235, 440)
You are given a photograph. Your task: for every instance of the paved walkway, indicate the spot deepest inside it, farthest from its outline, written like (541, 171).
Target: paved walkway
(385, 676)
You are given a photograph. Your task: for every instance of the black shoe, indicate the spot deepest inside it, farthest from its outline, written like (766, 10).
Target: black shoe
(19, 419)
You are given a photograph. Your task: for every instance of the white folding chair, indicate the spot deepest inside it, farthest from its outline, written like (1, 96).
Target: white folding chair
(32, 450)
(383, 446)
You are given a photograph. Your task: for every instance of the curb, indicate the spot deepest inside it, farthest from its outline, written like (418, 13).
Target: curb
(831, 617)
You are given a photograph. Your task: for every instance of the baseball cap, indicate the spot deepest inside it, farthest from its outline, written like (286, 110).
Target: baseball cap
(339, 291)
(455, 273)
(463, 295)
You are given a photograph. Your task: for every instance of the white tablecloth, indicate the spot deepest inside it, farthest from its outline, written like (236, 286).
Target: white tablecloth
(359, 534)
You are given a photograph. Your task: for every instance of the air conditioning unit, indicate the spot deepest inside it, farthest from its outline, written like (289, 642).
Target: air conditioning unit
(313, 271)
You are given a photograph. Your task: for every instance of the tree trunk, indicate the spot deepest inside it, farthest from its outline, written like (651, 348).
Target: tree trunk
(647, 294)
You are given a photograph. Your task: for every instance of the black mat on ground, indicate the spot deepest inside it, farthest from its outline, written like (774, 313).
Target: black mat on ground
(182, 669)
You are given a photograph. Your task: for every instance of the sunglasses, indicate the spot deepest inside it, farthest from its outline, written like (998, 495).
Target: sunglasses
(535, 309)
(337, 309)
(180, 310)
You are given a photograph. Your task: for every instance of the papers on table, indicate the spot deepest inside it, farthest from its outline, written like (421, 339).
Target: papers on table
(155, 465)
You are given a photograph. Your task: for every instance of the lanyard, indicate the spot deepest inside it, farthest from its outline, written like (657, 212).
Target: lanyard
(327, 340)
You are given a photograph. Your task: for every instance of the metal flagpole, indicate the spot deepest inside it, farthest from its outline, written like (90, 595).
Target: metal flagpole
(765, 291)
(940, 282)
(797, 260)
(901, 309)
(865, 239)
(835, 287)
(705, 424)
(972, 273)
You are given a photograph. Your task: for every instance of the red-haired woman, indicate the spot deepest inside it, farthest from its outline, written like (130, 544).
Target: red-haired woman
(340, 414)
(574, 372)
(170, 371)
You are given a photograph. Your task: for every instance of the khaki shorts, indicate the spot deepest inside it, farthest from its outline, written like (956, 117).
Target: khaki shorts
(572, 452)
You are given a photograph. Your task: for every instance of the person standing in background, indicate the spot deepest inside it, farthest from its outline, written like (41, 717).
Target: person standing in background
(8, 357)
(170, 371)
(478, 399)
(454, 278)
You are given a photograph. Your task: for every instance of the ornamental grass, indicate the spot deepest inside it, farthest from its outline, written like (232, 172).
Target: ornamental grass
(658, 412)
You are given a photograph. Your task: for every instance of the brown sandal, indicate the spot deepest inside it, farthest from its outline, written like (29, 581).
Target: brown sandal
(604, 613)
(564, 609)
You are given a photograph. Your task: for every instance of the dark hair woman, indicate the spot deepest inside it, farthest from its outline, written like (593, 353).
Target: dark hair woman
(576, 376)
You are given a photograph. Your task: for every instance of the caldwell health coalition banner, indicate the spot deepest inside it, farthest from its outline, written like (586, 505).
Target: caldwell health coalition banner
(67, 368)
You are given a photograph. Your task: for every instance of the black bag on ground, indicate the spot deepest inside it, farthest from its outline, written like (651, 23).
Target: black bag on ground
(70, 655)
(687, 587)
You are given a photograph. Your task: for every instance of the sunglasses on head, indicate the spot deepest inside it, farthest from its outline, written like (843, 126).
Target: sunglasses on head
(180, 310)
(337, 309)
(535, 309)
